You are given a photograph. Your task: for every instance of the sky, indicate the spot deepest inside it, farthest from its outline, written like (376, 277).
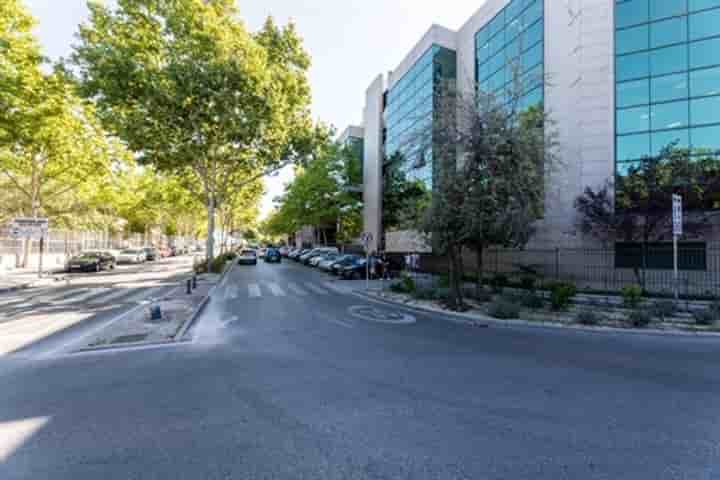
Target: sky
(350, 41)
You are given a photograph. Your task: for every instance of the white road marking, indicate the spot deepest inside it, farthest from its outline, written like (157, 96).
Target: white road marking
(231, 292)
(90, 293)
(254, 290)
(297, 290)
(276, 290)
(341, 323)
(335, 287)
(119, 292)
(144, 294)
(316, 289)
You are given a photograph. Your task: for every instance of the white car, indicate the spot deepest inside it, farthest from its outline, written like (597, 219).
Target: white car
(131, 256)
(247, 257)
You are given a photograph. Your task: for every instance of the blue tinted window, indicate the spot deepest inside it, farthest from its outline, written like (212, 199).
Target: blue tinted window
(631, 13)
(670, 87)
(533, 13)
(513, 9)
(624, 168)
(701, 4)
(706, 138)
(635, 65)
(667, 8)
(633, 147)
(668, 60)
(631, 39)
(669, 115)
(705, 110)
(632, 120)
(704, 24)
(513, 29)
(705, 82)
(705, 53)
(532, 57)
(661, 140)
(668, 32)
(532, 35)
(635, 92)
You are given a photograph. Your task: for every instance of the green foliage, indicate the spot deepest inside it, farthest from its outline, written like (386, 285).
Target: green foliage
(443, 281)
(528, 283)
(425, 294)
(406, 284)
(532, 301)
(706, 317)
(498, 282)
(588, 317)
(632, 296)
(561, 295)
(639, 318)
(503, 310)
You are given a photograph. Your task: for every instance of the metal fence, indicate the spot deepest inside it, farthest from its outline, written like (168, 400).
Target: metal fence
(597, 270)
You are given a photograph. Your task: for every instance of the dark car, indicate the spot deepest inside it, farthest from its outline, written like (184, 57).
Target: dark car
(272, 255)
(151, 254)
(299, 253)
(91, 262)
(357, 269)
(343, 261)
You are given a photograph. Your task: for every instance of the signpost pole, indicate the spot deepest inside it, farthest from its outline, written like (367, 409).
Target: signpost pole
(677, 215)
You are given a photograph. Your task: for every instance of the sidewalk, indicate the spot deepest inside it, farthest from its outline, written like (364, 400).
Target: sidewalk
(20, 278)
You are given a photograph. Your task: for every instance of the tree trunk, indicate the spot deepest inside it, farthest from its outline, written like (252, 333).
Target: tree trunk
(455, 271)
(479, 268)
(211, 231)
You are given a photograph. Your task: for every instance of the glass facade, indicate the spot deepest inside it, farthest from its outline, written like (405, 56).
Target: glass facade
(509, 53)
(667, 79)
(409, 112)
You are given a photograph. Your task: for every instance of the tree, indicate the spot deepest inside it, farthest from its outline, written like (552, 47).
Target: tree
(404, 201)
(490, 157)
(191, 91)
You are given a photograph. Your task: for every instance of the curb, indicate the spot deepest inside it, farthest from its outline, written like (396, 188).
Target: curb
(484, 321)
(191, 321)
(22, 286)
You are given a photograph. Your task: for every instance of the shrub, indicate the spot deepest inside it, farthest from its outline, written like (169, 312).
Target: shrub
(481, 296)
(406, 284)
(706, 317)
(588, 317)
(561, 295)
(498, 282)
(425, 294)
(511, 297)
(218, 264)
(632, 296)
(444, 281)
(532, 300)
(528, 283)
(639, 318)
(503, 310)
(664, 309)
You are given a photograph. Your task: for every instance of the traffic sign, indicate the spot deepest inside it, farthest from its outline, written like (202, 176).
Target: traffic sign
(677, 215)
(29, 227)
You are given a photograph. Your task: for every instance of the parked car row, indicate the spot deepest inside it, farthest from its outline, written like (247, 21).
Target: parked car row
(97, 260)
(330, 260)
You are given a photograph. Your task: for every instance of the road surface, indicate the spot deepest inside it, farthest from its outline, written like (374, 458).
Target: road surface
(283, 382)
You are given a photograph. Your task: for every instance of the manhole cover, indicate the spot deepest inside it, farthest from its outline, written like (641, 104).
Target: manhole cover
(381, 315)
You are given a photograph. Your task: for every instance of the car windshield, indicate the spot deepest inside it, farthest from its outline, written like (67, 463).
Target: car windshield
(86, 256)
(248, 253)
(129, 252)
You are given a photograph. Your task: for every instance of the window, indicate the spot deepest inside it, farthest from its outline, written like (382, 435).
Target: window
(706, 139)
(631, 13)
(633, 147)
(670, 87)
(632, 66)
(662, 140)
(668, 60)
(669, 115)
(702, 4)
(705, 110)
(704, 24)
(633, 120)
(667, 8)
(668, 32)
(705, 53)
(705, 82)
(635, 92)
(632, 39)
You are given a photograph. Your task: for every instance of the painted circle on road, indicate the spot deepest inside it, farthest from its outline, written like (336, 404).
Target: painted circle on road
(380, 315)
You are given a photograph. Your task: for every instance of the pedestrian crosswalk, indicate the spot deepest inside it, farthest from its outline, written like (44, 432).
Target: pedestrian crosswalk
(261, 290)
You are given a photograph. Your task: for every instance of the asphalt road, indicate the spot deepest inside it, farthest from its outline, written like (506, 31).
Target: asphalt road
(282, 382)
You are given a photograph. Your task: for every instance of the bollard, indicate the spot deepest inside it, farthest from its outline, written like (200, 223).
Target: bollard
(155, 313)
(194, 282)
(188, 288)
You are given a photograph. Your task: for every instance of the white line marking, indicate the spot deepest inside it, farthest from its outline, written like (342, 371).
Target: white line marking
(297, 290)
(82, 297)
(143, 294)
(276, 290)
(341, 323)
(316, 289)
(254, 290)
(335, 287)
(119, 292)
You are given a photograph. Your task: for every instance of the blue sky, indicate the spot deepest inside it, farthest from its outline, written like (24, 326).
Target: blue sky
(350, 41)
